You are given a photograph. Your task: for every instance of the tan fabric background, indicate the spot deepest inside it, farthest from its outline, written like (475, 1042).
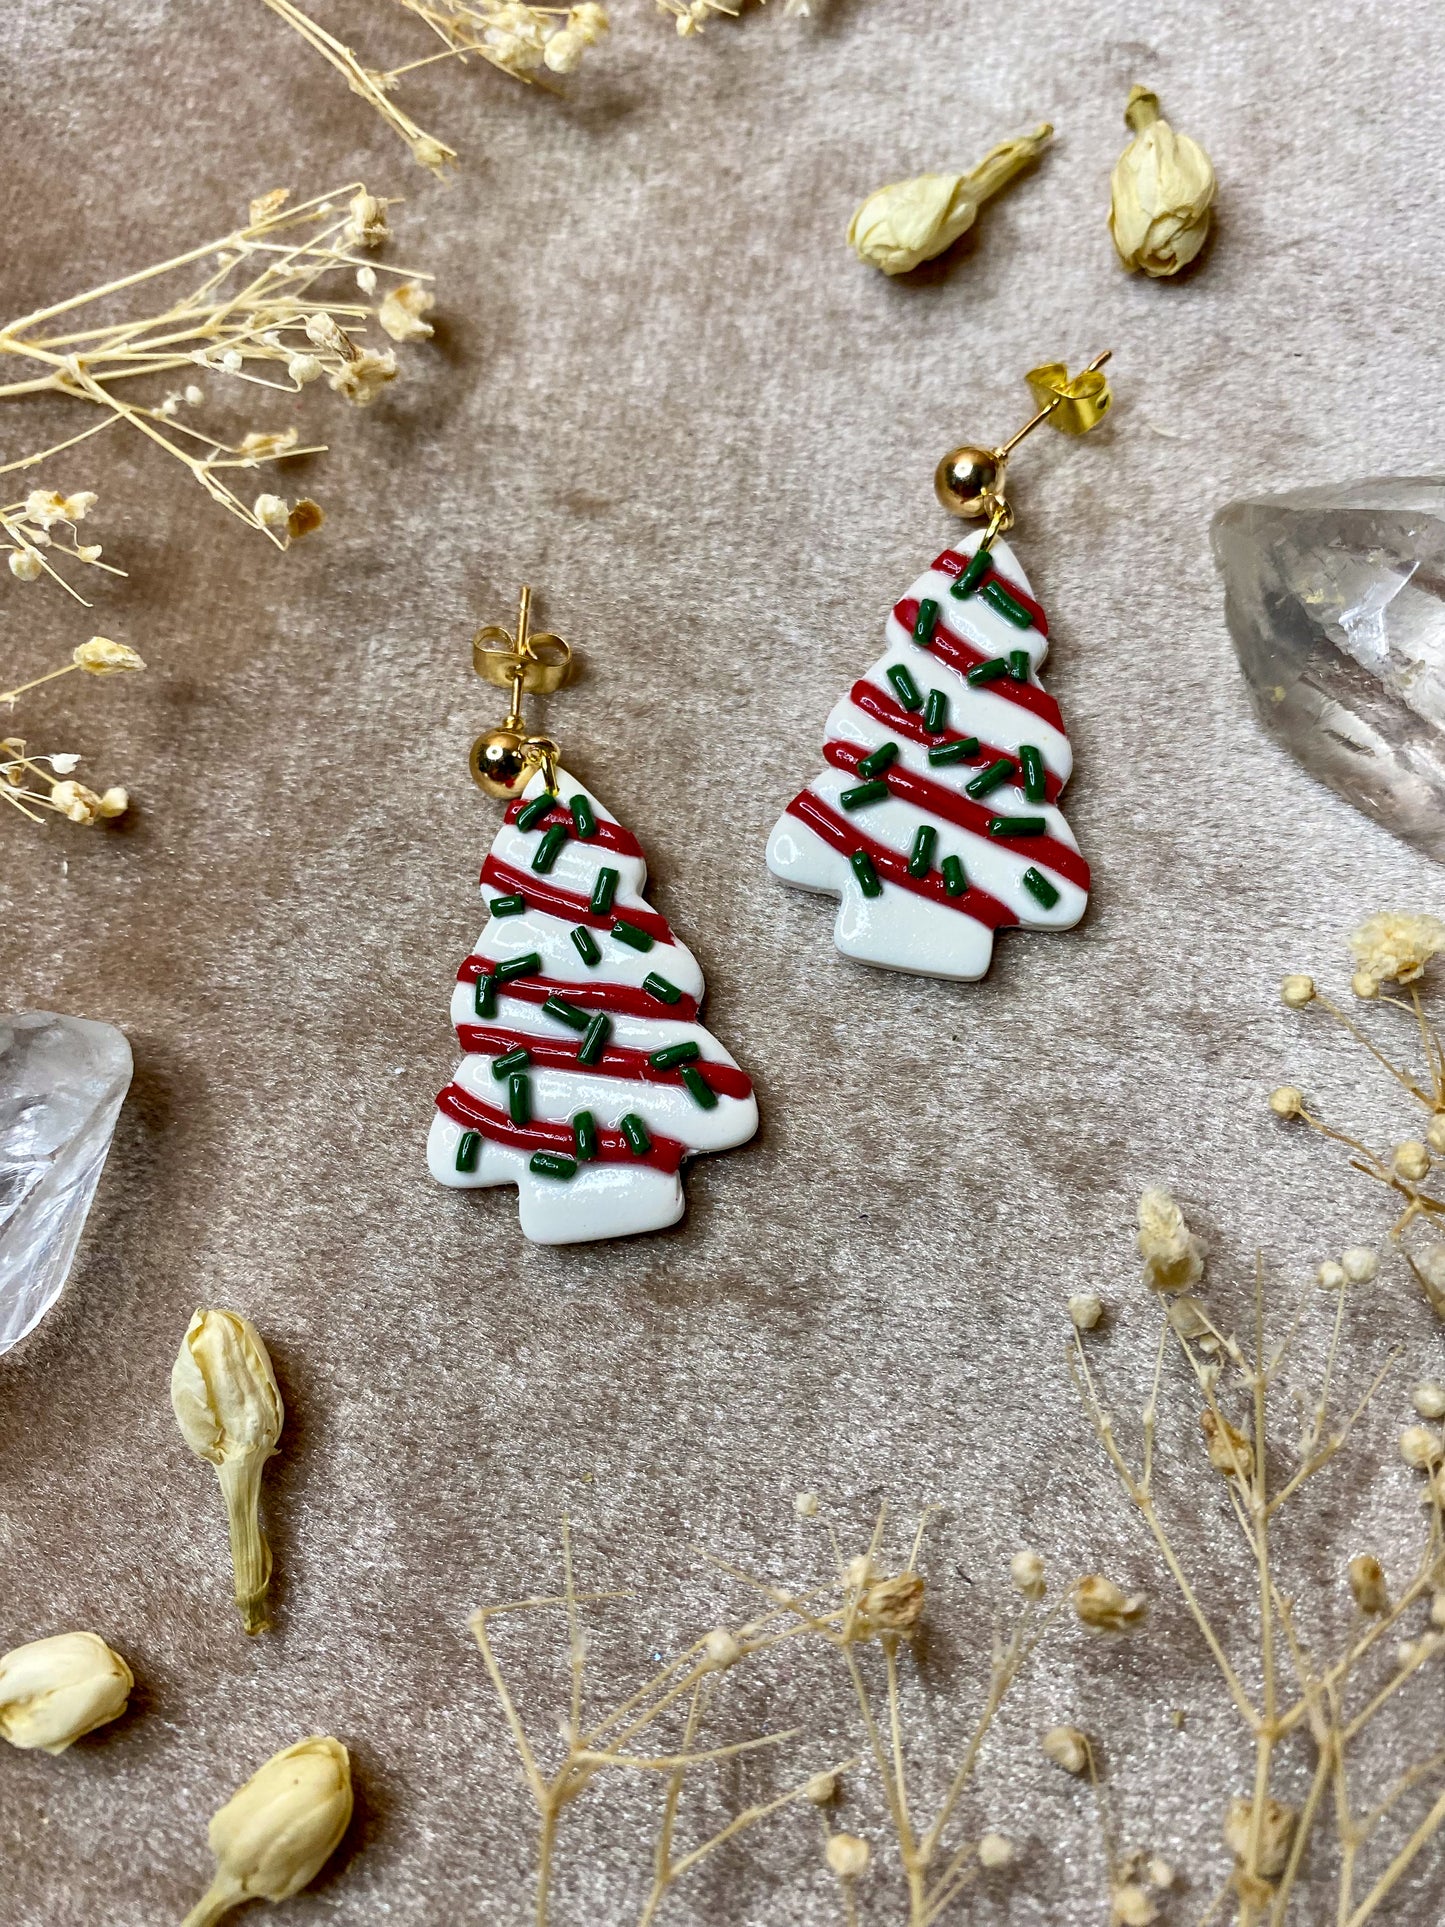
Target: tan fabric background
(664, 391)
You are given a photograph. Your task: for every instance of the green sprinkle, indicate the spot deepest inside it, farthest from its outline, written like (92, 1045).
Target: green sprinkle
(955, 877)
(584, 817)
(519, 1097)
(989, 671)
(595, 1041)
(512, 906)
(1038, 885)
(867, 876)
(862, 794)
(1019, 665)
(958, 752)
(635, 1131)
(935, 710)
(921, 858)
(1033, 768)
(469, 1144)
(535, 810)
(545, 854)
(603, 891)
(484, 996)
(659, 987)
(877, 760)
(977, 569)
(550, 1164)
(1017, 826)
(629, 934)
(672, 1055)
(998, 597)
(927, 620)
(566, 1013)
(699, 1090)
(509, 1061)
(990, 778)
(587, 948)
(904, 687)
(517, 967)
(584, 1137)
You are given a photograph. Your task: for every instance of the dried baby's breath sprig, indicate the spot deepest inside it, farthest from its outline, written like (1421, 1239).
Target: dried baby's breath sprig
(37, 533)
(228, 1406)
(40, 783)
(899, 227)
(1161, 193)
(253, 316)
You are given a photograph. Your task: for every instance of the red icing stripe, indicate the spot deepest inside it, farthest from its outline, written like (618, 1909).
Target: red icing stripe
(566, 904)
(952, 563)
(618, 1060)
(846, 837)
(608, 835)
(623, 1000)
(962, 656)
(541, 1135)
(937, 800)
(907, 722)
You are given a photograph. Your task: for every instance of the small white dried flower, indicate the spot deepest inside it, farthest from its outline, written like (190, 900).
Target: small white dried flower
(1396, 944)
(366, 280)
(994, 1850)
(1160, 1873)
(271, 511)
(1230, 1451)
(1420, 1447)
(402, 314)
(1026, 1570)
(362, 378)
(1085, 1311)
(1067, 1747)
(858, 1572)
(1104, 1607)
(1435, 1133)
(102, 657)
(1437, 1609)
(720, 1650)
(324, 332)
(1287, 1101)
(113, 802)
(564, 50)
(25, 565)
(193, 395)
(1173, 1256)
(232, 361)
(590, 20)
(1131, 1906)
(1331, 1276)
(846, 1855)
(821, 1790)
(894, 1605)
(1361, 1264)
(1429, 1398)
(75, 802)
(1276, 1831)
(1411, 1160)
(1364, 985)
(366, 226)
(1297, 991)
(805, 1504)
(63, 762)
(46, 508)
(302, 368)
(266, 445)
(1367, 1583)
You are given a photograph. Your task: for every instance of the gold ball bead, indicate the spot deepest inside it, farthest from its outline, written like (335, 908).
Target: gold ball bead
(965, 481)
(501, 763)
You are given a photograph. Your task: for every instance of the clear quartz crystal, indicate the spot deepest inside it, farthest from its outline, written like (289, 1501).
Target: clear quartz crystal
(62, 1082)
(1335, 599)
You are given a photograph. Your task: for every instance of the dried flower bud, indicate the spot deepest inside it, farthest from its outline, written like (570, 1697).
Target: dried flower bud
(1397, 945)
(1276, 1831)
(402, 313)
(720, 1650)
(305, 518)
(1364, 985)
(1367, 1583)
(858, 1572)
(806, 1505)
(821, 1790)
(1287, 1101)
(273, 1837)
(54, 1690)
(846, 1855)
(302, 368)
(1411, 1160)
(911, 221)
(271, 511)
(1160, 1873)
(1361, 1264)
(1085, 1311)
(1420, 1447)
(25, 565)
(1161, 192)
(366, 226)
(1131, 1906)
(229, 1409)
(102, 657)
(564, 50)
(113, 802)
(994, 1850)
(590, 20)
(1230, 1451)
(1067, 1747)
(1331, 1276)
(1437, 1609)
(1104, 1607)
(1173, 1256)
(74, 801)
(363, 375)
(1297, 991)
(46, 508)
(895, 1605)
(1429, 1398)
(1026, 1570)
(1435, 1133)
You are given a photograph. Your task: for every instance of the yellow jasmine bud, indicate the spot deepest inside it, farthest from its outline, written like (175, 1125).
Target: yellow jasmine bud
(1161, 192)
(273, 1837)
(54, 1690)
(229, 1409)
(102, 657)
(911, 221)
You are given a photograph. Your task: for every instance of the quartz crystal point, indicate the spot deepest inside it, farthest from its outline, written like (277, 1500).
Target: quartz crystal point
(62, 1082)
(1335, 599)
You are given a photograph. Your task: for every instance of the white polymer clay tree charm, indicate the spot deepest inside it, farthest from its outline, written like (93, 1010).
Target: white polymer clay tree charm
(586, 1079)
(936, 821)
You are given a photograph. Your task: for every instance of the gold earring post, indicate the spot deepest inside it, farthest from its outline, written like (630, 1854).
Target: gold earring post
(969, 481)
(503, 760)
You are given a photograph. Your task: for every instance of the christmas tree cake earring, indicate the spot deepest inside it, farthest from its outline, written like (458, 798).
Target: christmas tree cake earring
(586, 1078)
(936, 821)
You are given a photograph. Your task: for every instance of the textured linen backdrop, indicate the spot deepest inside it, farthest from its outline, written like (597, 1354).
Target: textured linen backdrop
(664, 392)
